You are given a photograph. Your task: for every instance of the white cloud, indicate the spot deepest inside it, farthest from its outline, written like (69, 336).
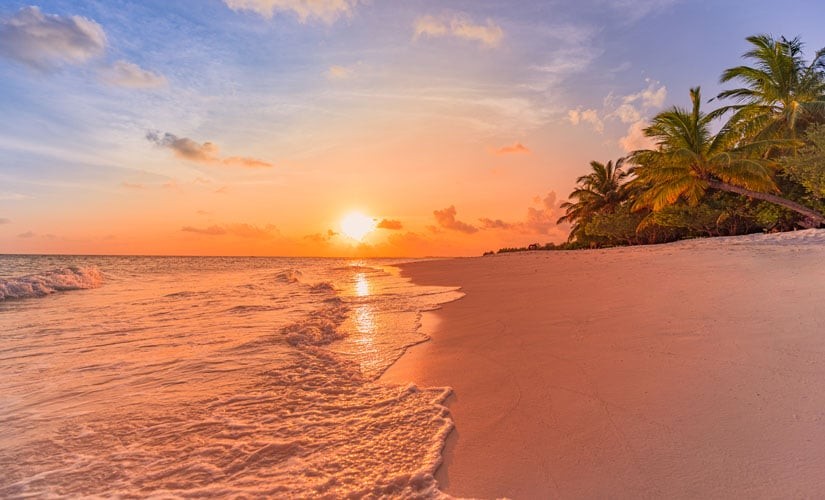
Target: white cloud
(324, 10)
(591, 116)
(44, 41)
(651, 97)
(460, 26)
(635, 138)
(627, 113)
(130, 75)
(628, 109)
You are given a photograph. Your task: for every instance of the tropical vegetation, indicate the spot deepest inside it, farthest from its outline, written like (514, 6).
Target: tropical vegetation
(757, 163)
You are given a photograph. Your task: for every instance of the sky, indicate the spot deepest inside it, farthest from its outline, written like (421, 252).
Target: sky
(253, 127)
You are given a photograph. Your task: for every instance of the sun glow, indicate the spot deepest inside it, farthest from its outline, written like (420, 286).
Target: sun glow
(357, 225)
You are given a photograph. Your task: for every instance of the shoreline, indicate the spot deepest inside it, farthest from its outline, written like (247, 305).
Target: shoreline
(680, 370)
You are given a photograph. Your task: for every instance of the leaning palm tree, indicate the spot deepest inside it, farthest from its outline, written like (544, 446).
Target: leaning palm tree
(690, 159)
(781, 93)
(600, 191)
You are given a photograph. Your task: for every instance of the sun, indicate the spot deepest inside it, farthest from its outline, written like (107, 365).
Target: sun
(357, 225)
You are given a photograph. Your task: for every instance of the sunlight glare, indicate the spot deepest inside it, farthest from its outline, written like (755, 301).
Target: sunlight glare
(357, 225)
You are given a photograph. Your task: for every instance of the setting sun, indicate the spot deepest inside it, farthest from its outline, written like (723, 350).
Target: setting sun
(357, 225)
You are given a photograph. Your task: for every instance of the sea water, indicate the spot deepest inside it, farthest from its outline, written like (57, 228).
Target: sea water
(197, 377)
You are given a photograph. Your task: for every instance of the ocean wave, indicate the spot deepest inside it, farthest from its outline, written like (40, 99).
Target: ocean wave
(48, 282)
(319, 329)
(322, 287)
(289, 276)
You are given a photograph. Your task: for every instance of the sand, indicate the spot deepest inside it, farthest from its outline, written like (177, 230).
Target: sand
(687, 370)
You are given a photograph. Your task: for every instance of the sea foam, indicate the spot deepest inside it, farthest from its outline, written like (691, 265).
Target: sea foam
(213, 377)
(48, 282)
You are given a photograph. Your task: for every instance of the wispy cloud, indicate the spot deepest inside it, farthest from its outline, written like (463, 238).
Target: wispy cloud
(447, 219)
(461, 26)
(340, 73)
(392, 225)
(45, 41)
(634, 10)
(591, 116)
(130, 75)
(631, 110)
(321, 237)
(133, 185)
(206, 153)
(6, 195)
(238, 229)
(327, 11)
(517, 148)
(495, 224)
(27, 234)
(4, 220)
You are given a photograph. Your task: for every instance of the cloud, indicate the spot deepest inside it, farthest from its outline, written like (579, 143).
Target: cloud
(45, 41)
(321, 237)
(130, 75)
(459, 26)
(6, 195)
(27, 234)
(327, 11)
(207, 153)
(543, 219)
(210, 231)
(495, 224)
(590, 116)
(130, 185)
(340, 73)
(540, 219)
(634, 10)
(392, 225)
(3, 220)
(636, 138)
(248, 231)
(446, 219)
(630, 109)
(653, 96)
(514, 149)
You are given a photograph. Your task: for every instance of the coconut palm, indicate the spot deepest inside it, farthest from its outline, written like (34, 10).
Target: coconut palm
(690, 159)
(782, 94)
(600, 191)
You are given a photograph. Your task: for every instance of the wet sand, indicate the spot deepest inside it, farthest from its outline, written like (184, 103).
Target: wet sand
(692, 369)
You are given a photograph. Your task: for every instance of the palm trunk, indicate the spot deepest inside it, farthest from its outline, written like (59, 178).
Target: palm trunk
(816, 218)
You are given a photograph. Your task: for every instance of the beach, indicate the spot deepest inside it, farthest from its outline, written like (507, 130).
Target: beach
(691, 369)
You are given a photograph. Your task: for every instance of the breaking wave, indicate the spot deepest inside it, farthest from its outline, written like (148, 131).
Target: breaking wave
(49, 282)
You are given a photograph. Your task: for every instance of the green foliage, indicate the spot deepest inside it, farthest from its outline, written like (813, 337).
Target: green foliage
(617, 228)
(600, 191)
(781, 93)
(807, 166)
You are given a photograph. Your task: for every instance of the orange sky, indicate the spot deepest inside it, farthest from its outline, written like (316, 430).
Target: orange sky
(251, 127)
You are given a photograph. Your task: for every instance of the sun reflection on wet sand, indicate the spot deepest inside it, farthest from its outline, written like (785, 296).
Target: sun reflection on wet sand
(365, 322)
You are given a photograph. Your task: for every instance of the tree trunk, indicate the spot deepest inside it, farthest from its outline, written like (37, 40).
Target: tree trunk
(816, 219)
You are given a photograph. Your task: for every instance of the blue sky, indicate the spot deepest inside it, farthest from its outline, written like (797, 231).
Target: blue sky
(397, 109)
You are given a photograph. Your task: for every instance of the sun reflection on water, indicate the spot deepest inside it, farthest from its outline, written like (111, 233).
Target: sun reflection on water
(362, 285)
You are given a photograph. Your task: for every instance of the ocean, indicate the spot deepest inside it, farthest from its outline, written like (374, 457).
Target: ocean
(212, 376)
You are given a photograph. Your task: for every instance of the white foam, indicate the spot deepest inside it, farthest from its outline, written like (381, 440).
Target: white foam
(48, 282)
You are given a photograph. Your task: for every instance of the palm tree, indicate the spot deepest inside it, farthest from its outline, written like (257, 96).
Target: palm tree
(782, 94)
(600, 191)
(690, 159)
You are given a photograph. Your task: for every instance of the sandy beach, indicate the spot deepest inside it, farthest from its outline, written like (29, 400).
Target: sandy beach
(687, 370)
